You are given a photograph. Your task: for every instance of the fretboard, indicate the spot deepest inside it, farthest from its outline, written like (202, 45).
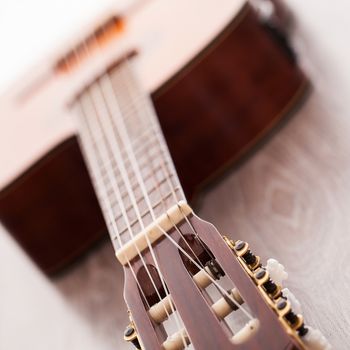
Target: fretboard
(126, 154)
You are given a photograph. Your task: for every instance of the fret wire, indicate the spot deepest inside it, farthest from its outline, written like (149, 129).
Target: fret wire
(155, 205)
(124, 136)
(144, 165)
(99, 190)
(122, 166)
(165, 171)
(157, 182)
(138, 200)
(147, 131)
(143, 102)
(165, 177)
(155, 125)
(136, 140)
(131, 194)
(127, 209)
(125, 222)
(98, 155)
(153, 142)
(134, 186)
(147, 211)
(144, 214)
(152, 129)
(161, 136)
(164, 165)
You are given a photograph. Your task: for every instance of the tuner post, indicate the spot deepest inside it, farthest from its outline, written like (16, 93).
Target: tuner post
(242, 251)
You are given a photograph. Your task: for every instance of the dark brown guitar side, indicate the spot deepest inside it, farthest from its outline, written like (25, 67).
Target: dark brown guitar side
(212, 112)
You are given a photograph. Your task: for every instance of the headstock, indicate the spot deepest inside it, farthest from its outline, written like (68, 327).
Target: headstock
(192, 260)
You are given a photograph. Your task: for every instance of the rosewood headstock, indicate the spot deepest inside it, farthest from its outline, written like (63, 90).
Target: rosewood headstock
(193, 262)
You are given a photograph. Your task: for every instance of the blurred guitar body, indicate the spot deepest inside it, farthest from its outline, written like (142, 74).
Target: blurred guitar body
(219, 80)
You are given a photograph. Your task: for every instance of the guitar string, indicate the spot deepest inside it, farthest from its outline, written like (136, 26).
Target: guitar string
(124, 138)
(162, 143)
(131, 194)
(151, 209)
(148, 243)
(148, 108)
(164, 205)
(215, 283)
(117, 193)
(114, 111)
(138, 104)
(104, 151)
(165, 172)
(109, 217)
(104, 196)
(193, 261)
(139, 121)
(112, 222)
(157, 292)
(213, 280)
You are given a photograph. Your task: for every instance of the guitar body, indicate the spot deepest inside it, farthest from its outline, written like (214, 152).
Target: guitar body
(213, 107)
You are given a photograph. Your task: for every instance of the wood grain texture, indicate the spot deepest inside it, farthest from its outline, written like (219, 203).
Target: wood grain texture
(203, 327)
(290, 200)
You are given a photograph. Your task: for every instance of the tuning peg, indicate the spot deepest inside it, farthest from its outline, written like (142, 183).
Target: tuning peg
(241, 249)
(276, 271)
(315, 340)
(294, 302)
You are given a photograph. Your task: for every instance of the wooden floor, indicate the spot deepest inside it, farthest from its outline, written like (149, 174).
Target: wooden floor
(290, 200)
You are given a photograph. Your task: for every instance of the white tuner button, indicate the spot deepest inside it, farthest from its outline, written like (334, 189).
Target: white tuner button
(315, 340)
(276, 271)
(294, 302)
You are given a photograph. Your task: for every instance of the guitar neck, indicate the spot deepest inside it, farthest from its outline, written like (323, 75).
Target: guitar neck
(127, 156)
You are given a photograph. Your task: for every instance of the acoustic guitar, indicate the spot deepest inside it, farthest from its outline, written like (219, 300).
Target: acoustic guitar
(186, 286)
(220, 80)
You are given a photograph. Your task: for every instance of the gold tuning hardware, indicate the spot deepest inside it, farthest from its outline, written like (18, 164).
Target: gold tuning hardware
(284, 310)
(262, 278)
(283, 307)
(241, 249)
(130, 334)
(271, 291)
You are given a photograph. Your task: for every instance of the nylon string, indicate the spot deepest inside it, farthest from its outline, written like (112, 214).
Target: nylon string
(113, 111)
(139, 176)
(129, 148)
(111, 217)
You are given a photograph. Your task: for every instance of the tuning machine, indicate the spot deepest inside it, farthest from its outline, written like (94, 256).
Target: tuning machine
(241, 249)
(269, 281)
(295, 321)
(269, 278)
(262, 279)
